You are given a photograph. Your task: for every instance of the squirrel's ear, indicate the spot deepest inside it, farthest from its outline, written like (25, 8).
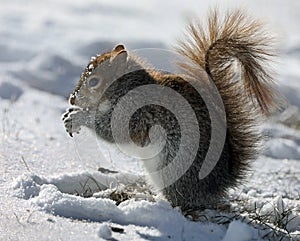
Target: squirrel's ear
(120, 57)
(119, 62)
(119, 54)
(118, 48)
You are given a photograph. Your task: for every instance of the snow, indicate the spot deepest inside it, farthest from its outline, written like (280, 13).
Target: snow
(52, 186)
(104, 231)
(238, 231)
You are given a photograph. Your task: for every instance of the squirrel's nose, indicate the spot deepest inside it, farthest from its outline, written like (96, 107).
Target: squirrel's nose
(72, 100)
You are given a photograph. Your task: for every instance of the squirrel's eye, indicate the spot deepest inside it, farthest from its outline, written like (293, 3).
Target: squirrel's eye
(93, 82)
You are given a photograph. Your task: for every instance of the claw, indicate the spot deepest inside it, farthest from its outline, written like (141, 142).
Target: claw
(64, 116)
(71, 109)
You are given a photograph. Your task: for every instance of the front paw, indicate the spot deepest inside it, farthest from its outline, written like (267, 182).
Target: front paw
(73, 119)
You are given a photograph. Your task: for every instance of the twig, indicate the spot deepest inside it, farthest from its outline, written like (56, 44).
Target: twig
(23, 160)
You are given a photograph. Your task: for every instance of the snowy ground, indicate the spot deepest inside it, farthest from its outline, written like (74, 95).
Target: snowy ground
(44, 46)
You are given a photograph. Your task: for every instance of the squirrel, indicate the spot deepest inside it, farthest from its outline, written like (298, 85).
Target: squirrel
(235, 40)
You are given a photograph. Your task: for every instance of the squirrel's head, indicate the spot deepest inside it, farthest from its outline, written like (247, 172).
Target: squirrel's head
(99, 74)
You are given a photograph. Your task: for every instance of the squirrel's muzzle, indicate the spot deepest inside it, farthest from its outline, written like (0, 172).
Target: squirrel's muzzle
(72, 99)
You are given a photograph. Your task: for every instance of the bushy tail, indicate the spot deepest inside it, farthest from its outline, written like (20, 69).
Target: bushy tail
(235, 38)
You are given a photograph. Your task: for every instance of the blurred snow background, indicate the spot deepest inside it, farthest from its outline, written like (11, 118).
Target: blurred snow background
(44, 46)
